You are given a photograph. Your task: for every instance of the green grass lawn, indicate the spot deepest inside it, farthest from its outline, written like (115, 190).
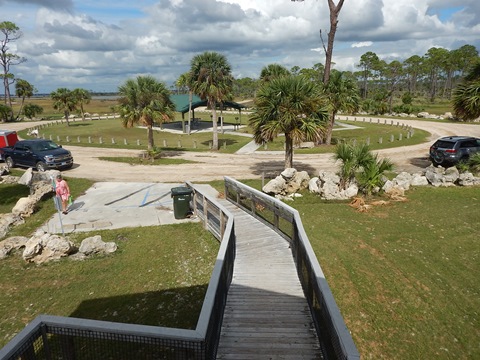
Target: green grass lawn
(158, 276)
(365, 130)
(405, 275)
(111, 134)
(99, 133)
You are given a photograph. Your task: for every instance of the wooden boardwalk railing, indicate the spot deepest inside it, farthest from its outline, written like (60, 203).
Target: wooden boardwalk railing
(267, 315)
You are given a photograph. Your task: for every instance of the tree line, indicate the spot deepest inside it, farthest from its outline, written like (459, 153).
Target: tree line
(431, 76)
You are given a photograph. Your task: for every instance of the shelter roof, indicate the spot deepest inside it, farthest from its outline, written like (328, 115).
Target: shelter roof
(227, 104)
(181, 100)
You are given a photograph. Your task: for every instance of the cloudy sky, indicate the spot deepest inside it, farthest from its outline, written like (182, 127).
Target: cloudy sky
(98, 44)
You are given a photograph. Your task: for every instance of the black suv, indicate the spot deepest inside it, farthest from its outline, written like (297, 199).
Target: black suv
(450, 150)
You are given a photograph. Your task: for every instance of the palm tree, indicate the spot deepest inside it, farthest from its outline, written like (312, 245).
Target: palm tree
(358, 162)
(289, 105)
(82, 97)
(352, 159)
(211, 80)
(466, 96)
(273, 71)
(64, 100)
(23, 89)
(342, 93)
(143, 101)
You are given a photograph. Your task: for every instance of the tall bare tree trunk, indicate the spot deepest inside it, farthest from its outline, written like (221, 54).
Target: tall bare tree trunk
(334, 12)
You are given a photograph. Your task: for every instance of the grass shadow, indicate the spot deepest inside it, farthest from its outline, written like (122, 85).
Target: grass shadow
(221, 142)
(173, 307)
(273, 168)
(420, 162)
(76, 124)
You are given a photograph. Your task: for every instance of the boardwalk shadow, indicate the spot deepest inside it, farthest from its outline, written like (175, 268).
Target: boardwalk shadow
(175, 307)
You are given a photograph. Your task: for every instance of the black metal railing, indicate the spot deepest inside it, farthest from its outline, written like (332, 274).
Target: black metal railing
(55, 337)
(334, 336)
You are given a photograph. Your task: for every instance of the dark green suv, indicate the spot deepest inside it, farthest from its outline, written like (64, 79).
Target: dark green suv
(450, 150)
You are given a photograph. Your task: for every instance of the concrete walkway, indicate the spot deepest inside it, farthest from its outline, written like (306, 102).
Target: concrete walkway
(113, 205)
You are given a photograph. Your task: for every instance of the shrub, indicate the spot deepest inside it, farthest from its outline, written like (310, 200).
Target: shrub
(474, 163)
(360, 164)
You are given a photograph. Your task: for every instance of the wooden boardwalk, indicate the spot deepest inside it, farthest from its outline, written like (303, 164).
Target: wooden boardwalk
(266, 315)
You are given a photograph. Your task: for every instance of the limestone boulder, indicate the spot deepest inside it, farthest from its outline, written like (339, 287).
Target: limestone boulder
(288, 174)
(43, 247)
(403, 180)
(275, 186)
(7, 221)
(451, 175)
(419, 180)
(468, 179)
(434, 175)
(25, 206)
(26, 178)
(95, 245)
(298, 182)
(288, 182)
(11, 244)
(329, 187)
(313, 185)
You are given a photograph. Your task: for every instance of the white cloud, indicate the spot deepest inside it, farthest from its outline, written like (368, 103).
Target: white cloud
(362, 44)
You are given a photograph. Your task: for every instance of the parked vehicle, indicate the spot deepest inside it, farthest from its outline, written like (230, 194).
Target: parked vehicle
(37, 153)
(450, 150)
(8, 138)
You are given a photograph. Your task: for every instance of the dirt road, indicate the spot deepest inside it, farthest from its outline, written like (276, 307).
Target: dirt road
(212, 166)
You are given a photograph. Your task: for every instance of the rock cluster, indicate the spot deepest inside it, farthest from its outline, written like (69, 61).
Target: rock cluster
(43, 247)
(435, 176)
(426, 115)
(329, 187)
(288, 183)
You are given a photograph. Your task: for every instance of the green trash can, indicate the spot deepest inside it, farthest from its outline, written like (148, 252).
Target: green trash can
(181, 201)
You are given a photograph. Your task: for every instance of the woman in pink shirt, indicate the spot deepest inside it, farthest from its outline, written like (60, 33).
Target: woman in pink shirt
(63, 192)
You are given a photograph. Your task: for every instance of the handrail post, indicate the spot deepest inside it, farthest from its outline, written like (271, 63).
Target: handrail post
(195, 199)
(222, 224)
(205, 213)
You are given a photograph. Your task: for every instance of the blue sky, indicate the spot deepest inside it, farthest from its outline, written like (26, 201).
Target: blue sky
(98, 44)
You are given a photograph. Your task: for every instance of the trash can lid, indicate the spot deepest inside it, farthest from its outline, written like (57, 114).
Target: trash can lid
(181, 190)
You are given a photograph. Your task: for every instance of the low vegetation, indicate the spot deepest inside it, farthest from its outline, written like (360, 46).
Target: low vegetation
(472, 164)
